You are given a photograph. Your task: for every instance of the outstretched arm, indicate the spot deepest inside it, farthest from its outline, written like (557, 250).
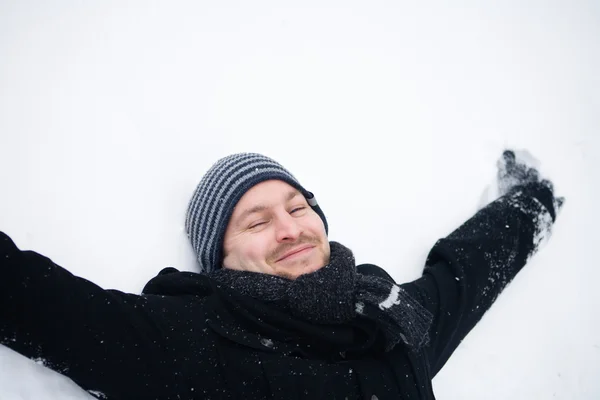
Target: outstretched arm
(466, 271)
(98, 338)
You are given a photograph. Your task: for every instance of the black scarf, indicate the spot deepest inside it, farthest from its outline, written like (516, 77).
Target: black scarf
(336, 294)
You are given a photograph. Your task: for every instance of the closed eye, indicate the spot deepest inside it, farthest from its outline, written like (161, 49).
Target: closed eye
(255, 225)
(291, 212)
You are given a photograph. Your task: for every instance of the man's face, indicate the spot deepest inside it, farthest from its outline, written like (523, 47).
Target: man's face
(269, 223)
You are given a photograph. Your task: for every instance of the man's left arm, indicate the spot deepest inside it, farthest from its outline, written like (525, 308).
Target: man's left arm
(466, 271)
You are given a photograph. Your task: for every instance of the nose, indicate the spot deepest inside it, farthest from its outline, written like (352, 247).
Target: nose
(286, 228)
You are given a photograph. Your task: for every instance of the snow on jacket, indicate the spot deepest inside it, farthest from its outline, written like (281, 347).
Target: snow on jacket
(184, 338)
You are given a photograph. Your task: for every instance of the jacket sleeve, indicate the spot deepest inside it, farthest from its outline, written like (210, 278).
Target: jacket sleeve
(102, 339)
(466, 271)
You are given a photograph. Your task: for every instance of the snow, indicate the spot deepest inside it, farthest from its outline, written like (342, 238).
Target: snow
(393, 114)
(543, 230)
(392, 298)
(360, 307)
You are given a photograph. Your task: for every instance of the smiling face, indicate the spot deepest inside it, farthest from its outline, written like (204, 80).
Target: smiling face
(273, 230)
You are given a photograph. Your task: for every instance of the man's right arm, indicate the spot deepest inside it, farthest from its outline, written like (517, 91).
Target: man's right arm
(101, 339)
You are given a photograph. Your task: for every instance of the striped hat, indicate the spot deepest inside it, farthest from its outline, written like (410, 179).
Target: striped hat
(217, 194)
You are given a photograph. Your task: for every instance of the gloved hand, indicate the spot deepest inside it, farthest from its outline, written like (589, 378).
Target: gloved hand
(519, 171)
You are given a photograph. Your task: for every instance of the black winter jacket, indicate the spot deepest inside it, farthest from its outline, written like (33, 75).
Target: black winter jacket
(184, 338)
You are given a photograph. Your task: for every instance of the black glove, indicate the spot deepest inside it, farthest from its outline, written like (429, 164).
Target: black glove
(517, 171)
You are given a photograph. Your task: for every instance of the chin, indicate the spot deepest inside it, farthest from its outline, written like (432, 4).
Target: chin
(308, 270)
(293, 273)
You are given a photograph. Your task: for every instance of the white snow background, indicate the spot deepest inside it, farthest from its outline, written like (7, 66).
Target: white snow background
(392, 113)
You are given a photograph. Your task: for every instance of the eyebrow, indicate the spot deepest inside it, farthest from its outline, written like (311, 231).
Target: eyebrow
(261, 207)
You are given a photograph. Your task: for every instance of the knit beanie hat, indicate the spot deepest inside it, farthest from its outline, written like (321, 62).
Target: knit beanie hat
(217, 194)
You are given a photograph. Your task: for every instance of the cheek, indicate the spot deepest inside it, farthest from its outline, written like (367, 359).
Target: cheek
(254, 253)
(253, 249)
(317, 226)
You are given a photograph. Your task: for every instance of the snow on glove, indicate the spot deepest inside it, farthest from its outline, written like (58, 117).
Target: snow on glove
(519, 171)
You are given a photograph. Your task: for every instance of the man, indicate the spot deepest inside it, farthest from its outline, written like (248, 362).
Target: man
(278, 311)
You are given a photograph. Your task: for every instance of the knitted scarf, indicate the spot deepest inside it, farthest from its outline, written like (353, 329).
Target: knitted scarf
(337, 293)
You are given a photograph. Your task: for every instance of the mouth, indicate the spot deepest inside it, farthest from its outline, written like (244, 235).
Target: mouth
(296, 252)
